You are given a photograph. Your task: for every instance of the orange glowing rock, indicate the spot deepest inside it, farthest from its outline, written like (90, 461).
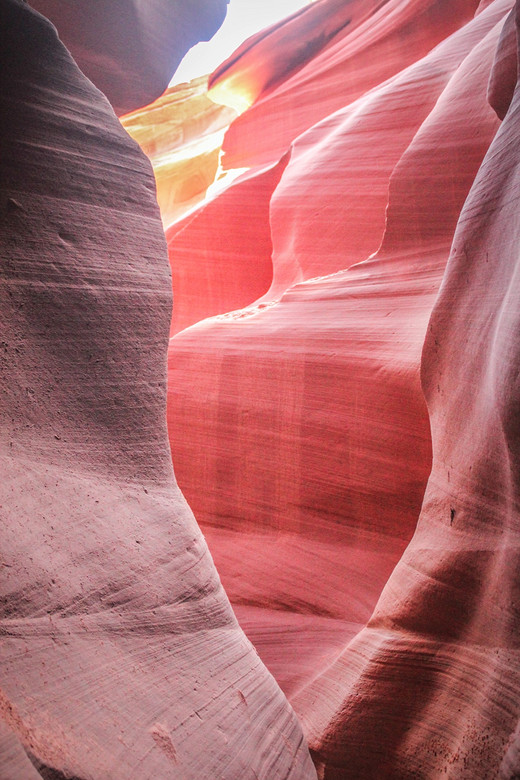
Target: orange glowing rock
(365, 43)
(268, 58)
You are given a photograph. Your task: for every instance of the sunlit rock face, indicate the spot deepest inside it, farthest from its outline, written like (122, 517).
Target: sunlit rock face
(130, 48)
(120, 655)
(299, 428)
(181, 133)
(229, 263)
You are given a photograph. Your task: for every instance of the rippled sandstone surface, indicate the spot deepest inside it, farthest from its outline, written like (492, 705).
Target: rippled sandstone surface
(342, 400)
(120, 656)
(312, 412)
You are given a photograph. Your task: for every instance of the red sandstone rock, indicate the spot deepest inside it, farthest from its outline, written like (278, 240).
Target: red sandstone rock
(131, 49)
(221, 255)
(298, 426)
(374, 47)
(120, 655)
(322, 374)
(431, 687)
(502, 81)
(268, 58)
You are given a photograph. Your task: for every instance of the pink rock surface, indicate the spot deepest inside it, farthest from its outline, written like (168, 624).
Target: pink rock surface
(502, 80)
(120, 656)
(130, 49)
(431, 687)
(374, 41)
(301, 425)
(272, 55)
(221, 255)
(299, 431)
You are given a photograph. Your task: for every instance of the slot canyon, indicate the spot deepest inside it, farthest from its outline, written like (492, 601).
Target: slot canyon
(260, 382)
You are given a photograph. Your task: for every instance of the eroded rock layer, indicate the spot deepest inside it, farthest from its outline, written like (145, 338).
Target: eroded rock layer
(431, 687)
(120, 655)
(181, 134)
(362, 43)
(221, 255)
(298, 425)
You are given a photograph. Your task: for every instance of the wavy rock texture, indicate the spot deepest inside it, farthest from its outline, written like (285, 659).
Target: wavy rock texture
(221, 255)
(181, 133)
(502, 80)
(130, 48)
(432, 686)
(120, 655)
(329, 64)
(298, 425)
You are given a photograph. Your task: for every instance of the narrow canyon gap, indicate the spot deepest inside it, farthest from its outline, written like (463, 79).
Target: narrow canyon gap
(342, 395)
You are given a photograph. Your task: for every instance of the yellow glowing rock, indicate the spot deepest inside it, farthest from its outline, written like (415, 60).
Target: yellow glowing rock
(181, 133)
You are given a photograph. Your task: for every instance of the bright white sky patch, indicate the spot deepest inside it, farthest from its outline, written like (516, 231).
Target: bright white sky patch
(243, 19)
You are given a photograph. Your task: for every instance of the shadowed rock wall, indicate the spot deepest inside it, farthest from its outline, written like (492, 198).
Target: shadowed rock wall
(128, 48)
(120, 656)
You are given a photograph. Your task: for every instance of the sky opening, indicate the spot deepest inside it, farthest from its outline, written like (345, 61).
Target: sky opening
(243, 19)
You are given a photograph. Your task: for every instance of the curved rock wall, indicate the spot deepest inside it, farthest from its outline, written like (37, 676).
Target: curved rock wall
(373, 370)
(221, 255)
(181, 134)
(373, 41)
(299, 431)
(120, 656)
(431, 686)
